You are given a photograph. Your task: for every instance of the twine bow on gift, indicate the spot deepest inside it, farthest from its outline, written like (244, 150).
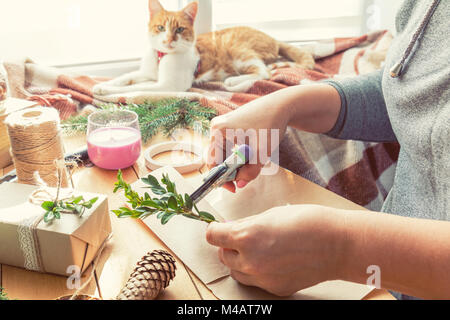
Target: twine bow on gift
(27, 228)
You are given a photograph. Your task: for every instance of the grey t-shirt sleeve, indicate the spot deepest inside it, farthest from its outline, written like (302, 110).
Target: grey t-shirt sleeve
(363, 114)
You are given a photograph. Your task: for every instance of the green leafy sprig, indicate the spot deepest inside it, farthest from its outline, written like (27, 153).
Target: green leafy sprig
(3, 295)
(73, 205)
(169, 203)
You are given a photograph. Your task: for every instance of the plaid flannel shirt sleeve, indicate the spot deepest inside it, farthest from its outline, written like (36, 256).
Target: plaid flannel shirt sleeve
(363, 114)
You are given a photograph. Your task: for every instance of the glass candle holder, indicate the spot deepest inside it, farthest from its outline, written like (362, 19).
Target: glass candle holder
(113, 138)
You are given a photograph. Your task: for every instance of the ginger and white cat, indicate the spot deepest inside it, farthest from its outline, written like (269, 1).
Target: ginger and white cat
(176, 58)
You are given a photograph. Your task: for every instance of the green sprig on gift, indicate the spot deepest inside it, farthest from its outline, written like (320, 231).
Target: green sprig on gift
(169, 203)
(3, 295)
(73, 205)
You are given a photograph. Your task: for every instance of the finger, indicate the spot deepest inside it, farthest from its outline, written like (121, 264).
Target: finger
(215, 152)
(230, 258)
(248, 172)
(230, 186)
(219, 235)
(243, 278)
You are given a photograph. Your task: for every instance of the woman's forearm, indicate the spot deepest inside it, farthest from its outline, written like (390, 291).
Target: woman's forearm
(316, 110)
(313, 108)
(413, 255)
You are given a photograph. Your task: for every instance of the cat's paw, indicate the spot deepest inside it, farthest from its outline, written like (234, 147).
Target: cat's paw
(233, 81)
(119, 82)
(308, 63)
(241, 87)
(103, 90)
(100, 90)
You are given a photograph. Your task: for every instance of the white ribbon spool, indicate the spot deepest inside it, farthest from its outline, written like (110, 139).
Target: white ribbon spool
(183, 167)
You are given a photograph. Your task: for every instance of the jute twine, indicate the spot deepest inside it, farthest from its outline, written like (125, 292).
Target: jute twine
(36, 145)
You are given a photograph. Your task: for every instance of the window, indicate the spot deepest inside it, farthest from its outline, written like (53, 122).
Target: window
(89, 32)
(305, 20)
(66, 32)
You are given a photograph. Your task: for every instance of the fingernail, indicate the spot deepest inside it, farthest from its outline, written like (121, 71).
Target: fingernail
(241, 183)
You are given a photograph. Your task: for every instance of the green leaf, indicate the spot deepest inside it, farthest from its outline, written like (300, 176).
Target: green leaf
(78, 208)
(57, 214)
(172, 203)
(77, 199)
(125, 209)
(196, 209)
(169, 184)
(207, 215)
(161, 204)
(48, 205)
(158, 191)
(188, 202)
(93, 200)
(145, 215)
(190, 216)
(48, 217)
(152, 181)
(145, 209)
(87, 205)
(160, 214)
(117, 212)
(124, 214)
(150, 203)
(166, 217)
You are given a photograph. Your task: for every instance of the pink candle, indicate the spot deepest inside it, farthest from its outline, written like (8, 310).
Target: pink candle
(114, 148)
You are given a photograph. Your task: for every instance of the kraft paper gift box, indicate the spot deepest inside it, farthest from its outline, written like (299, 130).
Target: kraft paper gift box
(69, 241)
(186, 237)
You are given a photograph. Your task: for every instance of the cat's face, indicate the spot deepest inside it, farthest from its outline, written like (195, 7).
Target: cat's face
(171, 31)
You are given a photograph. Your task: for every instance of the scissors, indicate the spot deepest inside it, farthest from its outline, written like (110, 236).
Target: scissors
(223, 173)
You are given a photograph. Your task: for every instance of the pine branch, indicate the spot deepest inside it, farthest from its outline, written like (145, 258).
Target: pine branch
(164, 115)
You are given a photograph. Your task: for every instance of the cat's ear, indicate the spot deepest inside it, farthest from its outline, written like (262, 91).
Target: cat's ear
(154, 7)
(191, 10)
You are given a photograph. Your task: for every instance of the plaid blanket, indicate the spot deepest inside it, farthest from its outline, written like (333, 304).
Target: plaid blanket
(361, 172)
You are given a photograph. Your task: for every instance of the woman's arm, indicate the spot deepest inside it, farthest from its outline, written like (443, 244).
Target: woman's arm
(352, 108)
(313, 108)
(413, 255)
(363, 113)
(287, 249)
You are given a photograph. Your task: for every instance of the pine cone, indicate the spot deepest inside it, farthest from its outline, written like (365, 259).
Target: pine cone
(151, 276)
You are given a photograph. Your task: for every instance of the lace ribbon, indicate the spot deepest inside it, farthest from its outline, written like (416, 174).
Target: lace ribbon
(29, 243)
(27, 228)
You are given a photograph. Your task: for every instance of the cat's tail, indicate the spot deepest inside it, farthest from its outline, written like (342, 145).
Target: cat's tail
(301, 57)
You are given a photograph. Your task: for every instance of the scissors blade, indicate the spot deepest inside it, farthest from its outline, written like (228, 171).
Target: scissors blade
(208, 185)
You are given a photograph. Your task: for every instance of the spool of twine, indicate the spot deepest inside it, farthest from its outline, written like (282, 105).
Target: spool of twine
(36, 145)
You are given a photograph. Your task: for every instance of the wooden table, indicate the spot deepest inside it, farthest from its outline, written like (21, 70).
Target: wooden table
(131, 240)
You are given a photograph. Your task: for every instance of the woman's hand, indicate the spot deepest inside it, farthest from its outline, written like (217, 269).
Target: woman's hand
(262, 124)
(284, 249)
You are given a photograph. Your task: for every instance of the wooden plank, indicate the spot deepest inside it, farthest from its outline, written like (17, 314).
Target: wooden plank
(28, 285)
(379, 294)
